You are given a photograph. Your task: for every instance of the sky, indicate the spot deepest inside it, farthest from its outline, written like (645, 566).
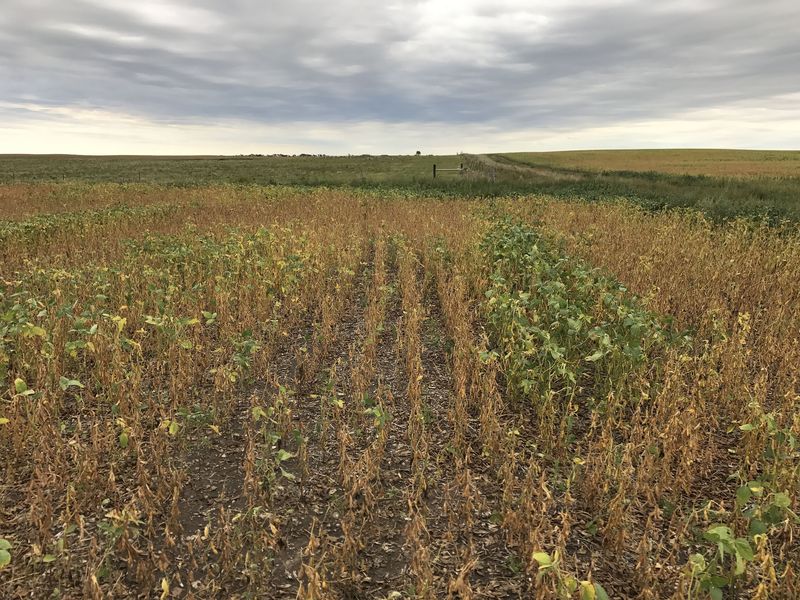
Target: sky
(396, 76)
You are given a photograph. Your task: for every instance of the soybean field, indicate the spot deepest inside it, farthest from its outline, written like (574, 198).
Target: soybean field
(246, 390)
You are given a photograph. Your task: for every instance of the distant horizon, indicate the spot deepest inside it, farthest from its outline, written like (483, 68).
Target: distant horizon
(411, 154)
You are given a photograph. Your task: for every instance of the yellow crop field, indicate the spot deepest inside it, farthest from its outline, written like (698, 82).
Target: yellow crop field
(715, 163)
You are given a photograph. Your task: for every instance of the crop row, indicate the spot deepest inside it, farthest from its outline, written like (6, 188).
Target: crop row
(618, 390)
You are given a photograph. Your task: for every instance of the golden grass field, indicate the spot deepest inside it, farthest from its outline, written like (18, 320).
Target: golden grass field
(714, 163)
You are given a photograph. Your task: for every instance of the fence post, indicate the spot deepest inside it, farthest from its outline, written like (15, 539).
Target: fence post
(434, 170)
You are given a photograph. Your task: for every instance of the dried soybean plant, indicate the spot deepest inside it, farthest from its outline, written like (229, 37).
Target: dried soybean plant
(205, 388)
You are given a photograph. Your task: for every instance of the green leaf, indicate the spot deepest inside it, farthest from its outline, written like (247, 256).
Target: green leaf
(600, 592)
(34, 331)
(5, 555)
(543, 558)
(715, 593)
(757, 527)
(740, 565)
(123, 440)
(596, 356)
(717, 533)
(66, 383)
(698, 562)
(743, 548)
(20, 386)
(4, 420)
(48, 558)
(747, 427)
(173, 428)
(571, 584)
(283, 455)
(587, 591)
(718, 581)
(743, 495)
(781, 500)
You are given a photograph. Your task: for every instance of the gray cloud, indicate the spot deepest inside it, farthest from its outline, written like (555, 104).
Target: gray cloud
(515, 63)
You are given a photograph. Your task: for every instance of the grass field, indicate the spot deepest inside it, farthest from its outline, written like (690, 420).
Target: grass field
(390, 390)
(712, 163)
(200, 170)
(637, 176)
(488, 176)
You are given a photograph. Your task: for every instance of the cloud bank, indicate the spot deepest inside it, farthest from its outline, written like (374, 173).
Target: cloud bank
(305, 75)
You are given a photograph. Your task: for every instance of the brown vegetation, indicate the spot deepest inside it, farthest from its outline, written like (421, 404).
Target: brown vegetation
(268, 392)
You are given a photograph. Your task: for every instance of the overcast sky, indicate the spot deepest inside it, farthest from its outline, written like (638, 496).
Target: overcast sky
(241, 76)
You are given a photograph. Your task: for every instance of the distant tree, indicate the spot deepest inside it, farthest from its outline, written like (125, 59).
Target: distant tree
(419, 153)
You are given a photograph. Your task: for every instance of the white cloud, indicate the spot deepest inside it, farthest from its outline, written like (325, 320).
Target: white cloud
(458, 33)
(82, 131)
(169, 75)
(163, 13)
